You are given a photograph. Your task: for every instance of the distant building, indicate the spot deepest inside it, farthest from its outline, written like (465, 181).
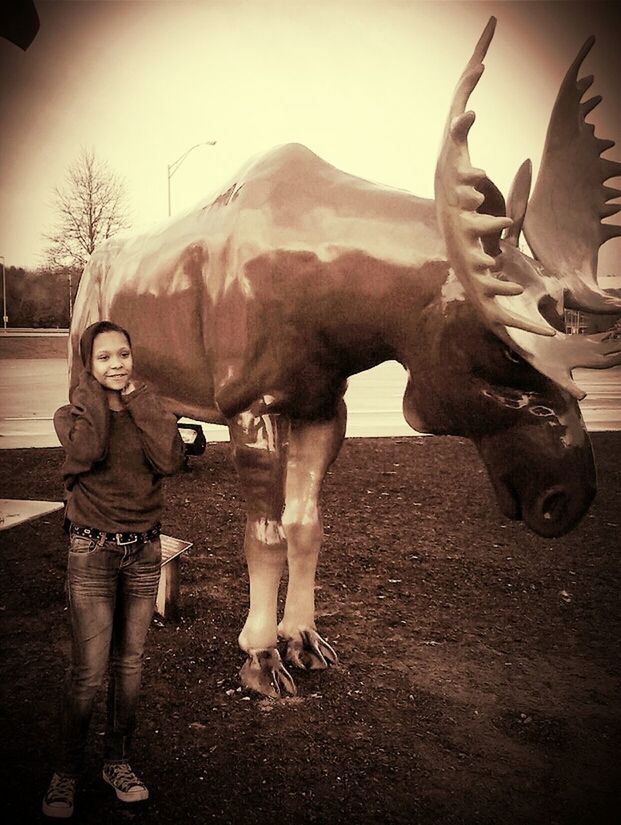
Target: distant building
(575, 322)
(578, 322)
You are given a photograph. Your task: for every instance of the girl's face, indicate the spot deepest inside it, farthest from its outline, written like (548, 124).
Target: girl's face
(112, 362)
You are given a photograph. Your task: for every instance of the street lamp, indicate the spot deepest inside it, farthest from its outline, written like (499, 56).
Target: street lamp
(5, 317)
(70, 279)
(172, 167)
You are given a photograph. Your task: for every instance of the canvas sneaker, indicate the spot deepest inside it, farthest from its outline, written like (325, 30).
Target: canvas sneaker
(59, 799)
(125, 782)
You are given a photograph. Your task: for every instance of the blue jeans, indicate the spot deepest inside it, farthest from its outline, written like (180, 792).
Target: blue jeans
(112, 591)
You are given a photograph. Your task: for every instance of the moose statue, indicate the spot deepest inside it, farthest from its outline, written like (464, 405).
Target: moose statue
(253, 310)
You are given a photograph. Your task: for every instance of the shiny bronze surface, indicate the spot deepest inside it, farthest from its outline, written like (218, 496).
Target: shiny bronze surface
(254, 308)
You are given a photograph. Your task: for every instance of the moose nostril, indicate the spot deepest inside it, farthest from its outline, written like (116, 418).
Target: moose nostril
(554, 505)
(557, 509)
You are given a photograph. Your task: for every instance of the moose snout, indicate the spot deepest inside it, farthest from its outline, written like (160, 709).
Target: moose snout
(557, 509)
(543, 483)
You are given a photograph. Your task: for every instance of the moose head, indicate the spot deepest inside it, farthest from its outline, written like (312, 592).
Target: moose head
(515, 396)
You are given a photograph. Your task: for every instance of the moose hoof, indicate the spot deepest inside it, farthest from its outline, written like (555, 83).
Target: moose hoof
(310, 652)
(264, 672)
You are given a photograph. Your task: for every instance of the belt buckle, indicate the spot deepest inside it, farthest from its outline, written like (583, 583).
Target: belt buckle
(123, 543)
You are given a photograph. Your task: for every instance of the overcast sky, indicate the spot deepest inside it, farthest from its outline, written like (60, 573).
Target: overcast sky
(364, 83)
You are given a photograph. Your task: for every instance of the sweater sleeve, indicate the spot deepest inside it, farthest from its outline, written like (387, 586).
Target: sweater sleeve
(161, 440)
(83, 427)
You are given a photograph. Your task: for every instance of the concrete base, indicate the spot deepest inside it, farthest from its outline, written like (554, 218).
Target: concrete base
(14, 511)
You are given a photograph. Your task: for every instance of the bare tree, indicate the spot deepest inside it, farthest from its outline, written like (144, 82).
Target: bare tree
(90, 207)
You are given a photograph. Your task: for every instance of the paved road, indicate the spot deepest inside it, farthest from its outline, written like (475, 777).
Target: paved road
(30, 391)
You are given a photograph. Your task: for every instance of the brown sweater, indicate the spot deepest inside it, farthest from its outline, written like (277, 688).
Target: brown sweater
(115, 460)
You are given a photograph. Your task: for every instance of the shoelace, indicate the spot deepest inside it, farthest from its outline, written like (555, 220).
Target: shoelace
(124, 776)
(61, 789)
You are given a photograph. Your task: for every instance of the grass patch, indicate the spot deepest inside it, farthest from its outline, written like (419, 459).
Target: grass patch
(48, 346)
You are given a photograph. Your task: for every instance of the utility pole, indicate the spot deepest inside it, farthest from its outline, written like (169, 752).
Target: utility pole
(5, 317)
(70, 302)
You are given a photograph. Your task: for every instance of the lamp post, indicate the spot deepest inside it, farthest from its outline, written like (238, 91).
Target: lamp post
(5, 317)
(70, 279)
(172, 167)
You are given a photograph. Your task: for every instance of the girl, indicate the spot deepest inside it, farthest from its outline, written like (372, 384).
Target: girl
(119, 442)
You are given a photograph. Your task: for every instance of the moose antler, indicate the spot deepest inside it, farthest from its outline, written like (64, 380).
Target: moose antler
(498, 301)
(563, 221)
(457, 200)
(557, 356)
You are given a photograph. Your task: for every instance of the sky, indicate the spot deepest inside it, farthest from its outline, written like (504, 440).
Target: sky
(366, 84)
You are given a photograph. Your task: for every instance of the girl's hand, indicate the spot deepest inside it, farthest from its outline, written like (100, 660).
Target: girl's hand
(128, 388)
(88, 391)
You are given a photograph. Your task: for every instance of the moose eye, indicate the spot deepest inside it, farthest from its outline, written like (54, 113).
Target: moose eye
(512, 356)
(542, 412)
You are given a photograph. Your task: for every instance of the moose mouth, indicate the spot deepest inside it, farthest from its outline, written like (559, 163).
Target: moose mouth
(507, 499)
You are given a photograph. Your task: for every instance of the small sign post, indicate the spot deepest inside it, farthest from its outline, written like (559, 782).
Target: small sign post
(167, 601)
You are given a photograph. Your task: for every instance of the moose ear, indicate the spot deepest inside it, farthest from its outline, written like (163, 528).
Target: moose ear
(517, 201)
(493, 204)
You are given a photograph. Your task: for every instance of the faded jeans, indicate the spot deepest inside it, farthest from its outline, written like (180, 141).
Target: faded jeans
(112, 591)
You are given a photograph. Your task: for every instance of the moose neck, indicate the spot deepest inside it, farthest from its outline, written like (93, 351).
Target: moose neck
(418, 316)
(379, 313)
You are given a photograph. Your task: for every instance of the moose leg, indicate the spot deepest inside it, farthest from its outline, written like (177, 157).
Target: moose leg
(312, 448)
(259, 443)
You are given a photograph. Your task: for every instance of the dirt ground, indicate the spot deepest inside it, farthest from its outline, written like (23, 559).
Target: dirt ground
(479, 666)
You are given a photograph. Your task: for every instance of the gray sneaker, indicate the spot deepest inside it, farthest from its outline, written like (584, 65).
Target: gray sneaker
(59, 800)
(125, 782)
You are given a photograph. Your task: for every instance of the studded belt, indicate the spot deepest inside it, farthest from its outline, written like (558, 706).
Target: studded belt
(118, 538)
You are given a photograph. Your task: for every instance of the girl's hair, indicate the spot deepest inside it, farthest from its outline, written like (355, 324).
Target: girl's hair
(90, 333)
